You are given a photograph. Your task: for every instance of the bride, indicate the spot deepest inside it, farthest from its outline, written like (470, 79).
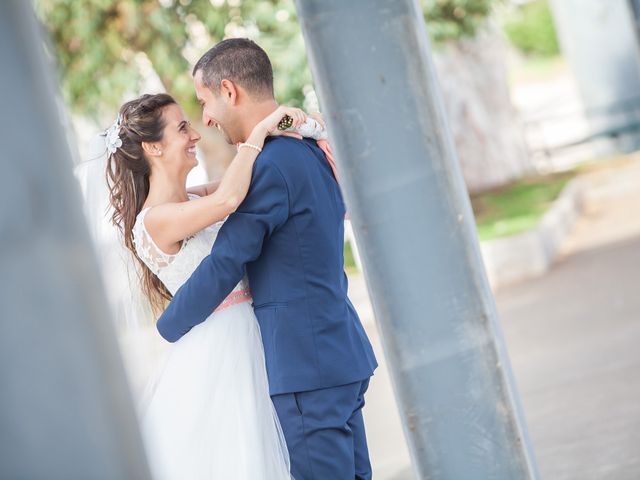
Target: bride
(206, 413)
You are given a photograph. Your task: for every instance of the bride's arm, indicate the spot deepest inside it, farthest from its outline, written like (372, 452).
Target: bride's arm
(170, 223)
(208, 188)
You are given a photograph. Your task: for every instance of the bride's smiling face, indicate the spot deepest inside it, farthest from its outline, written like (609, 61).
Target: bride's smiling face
(178, 145)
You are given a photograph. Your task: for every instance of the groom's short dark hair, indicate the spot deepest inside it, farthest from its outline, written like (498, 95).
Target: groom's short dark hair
(240, 60)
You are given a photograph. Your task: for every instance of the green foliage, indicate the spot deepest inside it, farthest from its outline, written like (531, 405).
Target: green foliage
(531, 30)
(98, 42)
(104, 47)
(455, 19)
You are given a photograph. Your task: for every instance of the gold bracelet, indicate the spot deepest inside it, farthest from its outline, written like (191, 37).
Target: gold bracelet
(249, 145)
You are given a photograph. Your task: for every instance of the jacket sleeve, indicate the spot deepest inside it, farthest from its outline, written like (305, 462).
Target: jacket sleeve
(239, 242)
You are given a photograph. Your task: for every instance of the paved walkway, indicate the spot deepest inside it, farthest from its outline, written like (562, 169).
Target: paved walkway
(573, 337)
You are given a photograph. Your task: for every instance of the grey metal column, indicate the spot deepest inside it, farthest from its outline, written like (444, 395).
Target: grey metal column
(634, 5)
(600, 43)
(372, 65)
(65, 409)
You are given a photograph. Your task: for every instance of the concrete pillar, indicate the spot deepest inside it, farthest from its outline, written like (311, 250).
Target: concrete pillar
(600, 42)
(371, 62)
(65, 408)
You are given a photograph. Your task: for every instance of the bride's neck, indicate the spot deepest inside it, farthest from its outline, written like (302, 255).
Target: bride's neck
(164, 188)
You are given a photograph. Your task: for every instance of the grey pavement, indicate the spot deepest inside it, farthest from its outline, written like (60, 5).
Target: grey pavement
(574, 340)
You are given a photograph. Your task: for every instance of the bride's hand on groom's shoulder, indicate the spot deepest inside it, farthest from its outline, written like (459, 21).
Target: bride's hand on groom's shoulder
(318, 118)
(271, 122)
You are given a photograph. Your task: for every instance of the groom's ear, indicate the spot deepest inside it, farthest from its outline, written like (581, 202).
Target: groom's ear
(229, 91)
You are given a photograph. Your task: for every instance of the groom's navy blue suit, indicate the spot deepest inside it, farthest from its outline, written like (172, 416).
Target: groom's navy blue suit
(288, 234)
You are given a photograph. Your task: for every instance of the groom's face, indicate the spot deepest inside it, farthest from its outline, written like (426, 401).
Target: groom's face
(215, 111)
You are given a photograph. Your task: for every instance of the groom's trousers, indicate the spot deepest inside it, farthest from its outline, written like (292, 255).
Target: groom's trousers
(325, 432)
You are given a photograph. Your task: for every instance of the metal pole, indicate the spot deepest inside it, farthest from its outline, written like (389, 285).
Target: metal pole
(65, 409)
(372, 66)
(634, 5)
(600, 43)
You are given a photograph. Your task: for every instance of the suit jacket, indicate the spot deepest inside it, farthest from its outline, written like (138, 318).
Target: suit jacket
(288, 235)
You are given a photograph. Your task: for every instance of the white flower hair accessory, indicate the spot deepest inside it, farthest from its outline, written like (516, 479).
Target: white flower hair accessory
(112, 136)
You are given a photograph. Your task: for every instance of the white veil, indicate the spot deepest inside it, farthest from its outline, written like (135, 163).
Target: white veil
(130, 311)
(120, 271)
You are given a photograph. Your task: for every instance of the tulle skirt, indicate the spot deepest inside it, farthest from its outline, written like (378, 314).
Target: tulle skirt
(206, 412)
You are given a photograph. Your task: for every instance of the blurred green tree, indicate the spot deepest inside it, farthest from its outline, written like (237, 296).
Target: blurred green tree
(455, 19)
(105, 48)
(531, 30)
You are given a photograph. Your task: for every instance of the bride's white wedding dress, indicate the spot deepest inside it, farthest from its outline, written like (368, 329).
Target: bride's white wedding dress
(206, 413)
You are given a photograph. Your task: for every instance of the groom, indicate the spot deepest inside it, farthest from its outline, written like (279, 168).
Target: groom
(288, 235)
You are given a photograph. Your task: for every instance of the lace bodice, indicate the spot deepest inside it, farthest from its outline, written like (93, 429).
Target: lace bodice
(173, 270)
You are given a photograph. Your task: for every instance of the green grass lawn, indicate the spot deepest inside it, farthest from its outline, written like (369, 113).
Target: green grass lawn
(517, 207)
(349, 262)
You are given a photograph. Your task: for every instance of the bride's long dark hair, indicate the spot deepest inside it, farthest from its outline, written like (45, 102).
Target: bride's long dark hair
(128, 172)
